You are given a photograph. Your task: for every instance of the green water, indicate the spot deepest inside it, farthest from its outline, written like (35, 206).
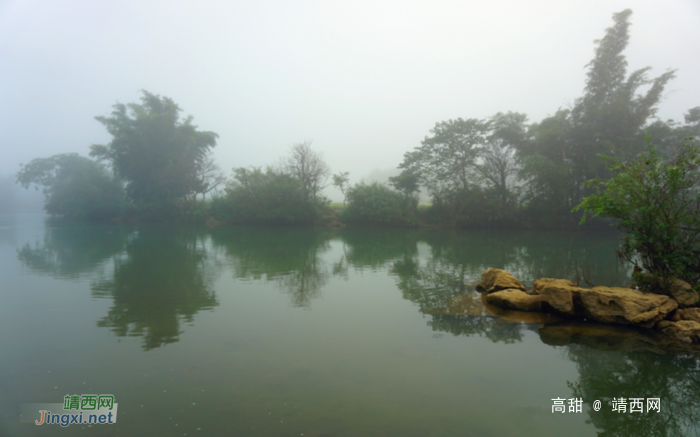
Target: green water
(288, 332)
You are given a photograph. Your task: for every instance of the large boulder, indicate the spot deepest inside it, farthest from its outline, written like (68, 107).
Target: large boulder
(685, 331)
(625, 306)
(683, 293)
(558, 294)
(515, 299)
(493, 280)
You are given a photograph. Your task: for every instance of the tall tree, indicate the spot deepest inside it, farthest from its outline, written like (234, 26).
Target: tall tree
(154, 150)
(609, 118)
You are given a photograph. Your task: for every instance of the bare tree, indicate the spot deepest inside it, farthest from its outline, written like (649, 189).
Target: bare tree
(207, 178)
(308, 167)
(342, 181)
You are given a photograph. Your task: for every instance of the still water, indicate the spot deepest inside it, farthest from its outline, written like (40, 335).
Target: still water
(244, 331)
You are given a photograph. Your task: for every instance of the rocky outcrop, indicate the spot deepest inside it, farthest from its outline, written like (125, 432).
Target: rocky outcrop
(515, 299)
(685, 331)
(493, 280)
(609, 305)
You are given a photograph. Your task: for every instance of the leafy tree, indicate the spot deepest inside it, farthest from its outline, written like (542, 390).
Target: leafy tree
(609, 118)
(657, 204)
(445, 161)
(75, 187)
(155, 152)
(308, 167)
(265, 197)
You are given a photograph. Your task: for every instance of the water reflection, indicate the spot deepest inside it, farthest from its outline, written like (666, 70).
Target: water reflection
(163, 281)
(70, 250)
(673, 378)
(290, 258)
(157, 277)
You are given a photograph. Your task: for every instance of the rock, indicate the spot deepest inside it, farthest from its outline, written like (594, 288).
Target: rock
(625, 306)
(683, 293)
(622, 306)
(493, 280)
(558, 294)
(515, 299)
(685, 331)
(540, 283)
(686, 314)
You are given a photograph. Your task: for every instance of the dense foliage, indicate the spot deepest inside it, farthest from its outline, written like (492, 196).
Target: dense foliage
(255, 196)
(657, 204)
(75, 187)
(378, 205)
(156, 153)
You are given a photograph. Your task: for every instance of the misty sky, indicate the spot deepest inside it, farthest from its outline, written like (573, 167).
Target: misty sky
(365, 80)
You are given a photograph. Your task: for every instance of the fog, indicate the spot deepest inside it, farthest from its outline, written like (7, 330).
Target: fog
(366, 81)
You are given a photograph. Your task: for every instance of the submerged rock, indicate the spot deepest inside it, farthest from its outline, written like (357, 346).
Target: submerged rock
(603, 337)
(685, 331)
(515, 299)
(493, 280)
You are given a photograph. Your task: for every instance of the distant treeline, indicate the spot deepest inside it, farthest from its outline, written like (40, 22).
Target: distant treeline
(501, 171)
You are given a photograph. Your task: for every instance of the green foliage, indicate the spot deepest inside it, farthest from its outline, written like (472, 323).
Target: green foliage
(342, 181)
(378, 205)
(657, 204)
(265, 197)
(608, 119)
(75, 187)
(158, 154)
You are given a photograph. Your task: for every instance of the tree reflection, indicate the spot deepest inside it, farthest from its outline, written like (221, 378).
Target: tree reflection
(674, 378)
(290, 258)
(164, 280)
(70, 250)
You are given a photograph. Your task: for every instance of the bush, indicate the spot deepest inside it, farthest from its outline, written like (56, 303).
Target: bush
(657, 204)
(265, 197)
(378, 205)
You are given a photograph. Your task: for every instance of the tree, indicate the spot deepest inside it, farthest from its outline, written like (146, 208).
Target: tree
(308, 167)
(207, 178)
(376, 204)
(445, 162)
(657, 204)
(155, 152)
(75, 187)
(609, 118)
(341, 180)
(498, 162)
(255, 196)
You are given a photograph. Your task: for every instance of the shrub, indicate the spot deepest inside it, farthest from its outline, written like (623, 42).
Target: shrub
(376, 204)
(657, 204)
(265, 197)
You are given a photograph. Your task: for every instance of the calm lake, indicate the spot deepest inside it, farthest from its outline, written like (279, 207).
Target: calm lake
(245, 331)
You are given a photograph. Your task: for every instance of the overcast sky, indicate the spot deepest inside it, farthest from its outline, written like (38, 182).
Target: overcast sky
(365, 80)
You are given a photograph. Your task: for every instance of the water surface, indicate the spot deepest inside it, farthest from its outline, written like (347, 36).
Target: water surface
(244, 331)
